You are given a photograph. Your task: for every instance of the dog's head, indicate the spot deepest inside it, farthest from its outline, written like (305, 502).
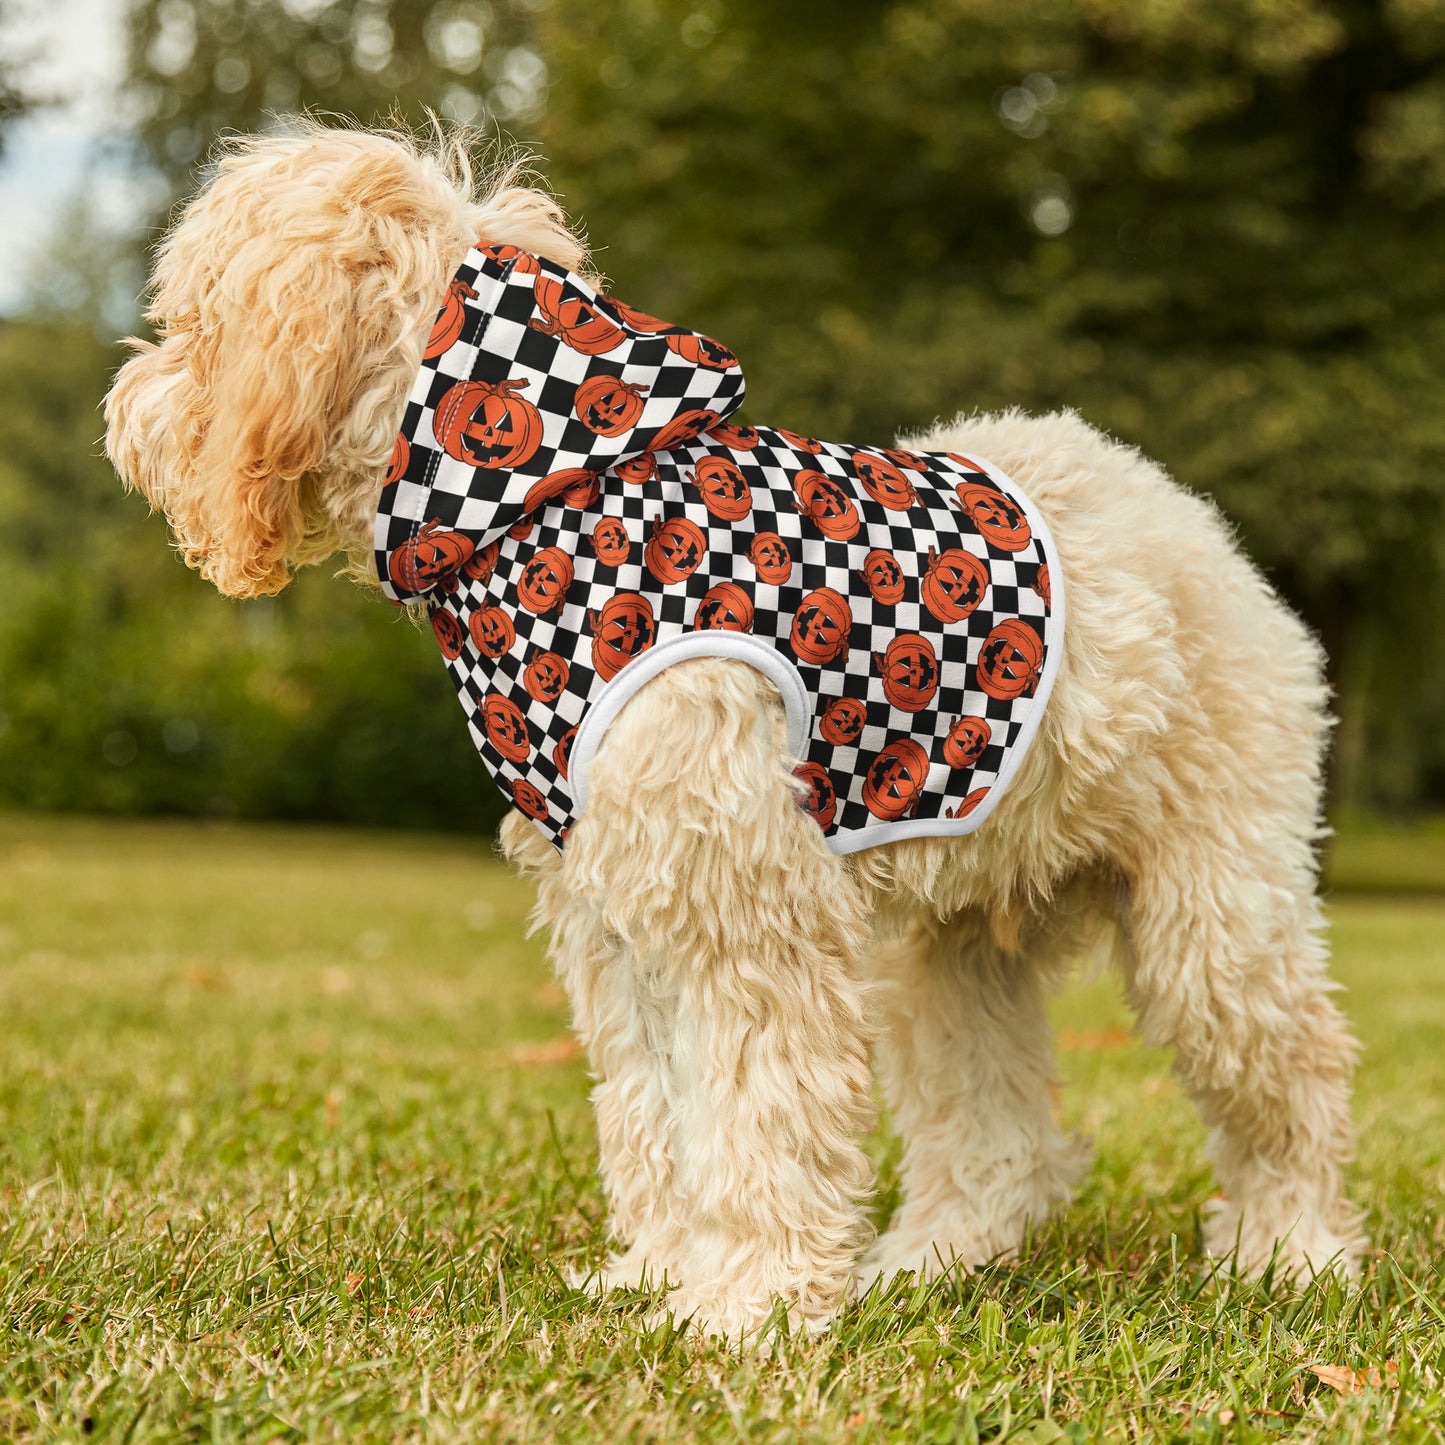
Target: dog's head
(292, 300)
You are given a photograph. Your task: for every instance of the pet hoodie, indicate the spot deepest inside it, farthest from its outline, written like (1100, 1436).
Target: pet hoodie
(571, 503)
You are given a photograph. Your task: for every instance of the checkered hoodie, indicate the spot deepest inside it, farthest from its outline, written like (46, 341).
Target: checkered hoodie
(571, 503)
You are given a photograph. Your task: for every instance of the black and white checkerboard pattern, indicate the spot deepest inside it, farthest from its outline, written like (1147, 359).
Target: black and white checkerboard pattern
(487, 506)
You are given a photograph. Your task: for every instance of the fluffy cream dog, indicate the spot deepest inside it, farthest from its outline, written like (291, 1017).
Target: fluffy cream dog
(730, 982)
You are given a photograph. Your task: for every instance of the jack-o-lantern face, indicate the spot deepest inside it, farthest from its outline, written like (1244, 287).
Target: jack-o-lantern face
(562, 753)
(820, 802)
(400, 460)
(637, 470)
(610, 542)
(1042, 586)
(884, 482)
(701, 350)
(800, 443)
(724, 608)
(675, 549)
(481, 564)
(953, 584)
(620, 631)
(821, 626)
(505, 727)
(545, 675)
(492, 631)
(998, 518)
(575, 486)
(529, 799)
(526, 263)
(564, 313)
(636, 320)
(448, 631)
(883, 577)
(684, 428)
(1008, 667)
(423, 561)
(895, 780)
(826, 505)
(608, 405)
(968, 805)
(738, 438)
(450, 319)
(966, 740)
(909, 668)
(545, 580)
(901, 458)
(520, 531)
(484, 424)
(725, 490)
(842, 721)
(770, 557)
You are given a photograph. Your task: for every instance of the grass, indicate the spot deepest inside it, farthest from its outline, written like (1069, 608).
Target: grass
(293, 1146)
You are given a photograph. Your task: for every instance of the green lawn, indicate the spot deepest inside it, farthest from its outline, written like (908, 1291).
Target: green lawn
(293, 1146)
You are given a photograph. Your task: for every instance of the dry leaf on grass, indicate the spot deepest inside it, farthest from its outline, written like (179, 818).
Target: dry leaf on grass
(1088, 1041)
(1355, 1382)
(552, 1051)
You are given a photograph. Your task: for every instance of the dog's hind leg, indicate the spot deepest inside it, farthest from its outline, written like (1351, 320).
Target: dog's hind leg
(966, 1062)
(743, 932)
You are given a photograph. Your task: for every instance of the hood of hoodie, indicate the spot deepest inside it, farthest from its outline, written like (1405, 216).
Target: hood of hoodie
(532, 386)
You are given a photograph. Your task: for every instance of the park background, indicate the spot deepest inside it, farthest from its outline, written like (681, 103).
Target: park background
(1216, 229)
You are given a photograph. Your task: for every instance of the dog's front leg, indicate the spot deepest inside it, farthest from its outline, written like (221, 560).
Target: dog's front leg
(741, 932)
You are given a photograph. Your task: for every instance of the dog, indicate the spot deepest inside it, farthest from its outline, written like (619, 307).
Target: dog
(731, 976)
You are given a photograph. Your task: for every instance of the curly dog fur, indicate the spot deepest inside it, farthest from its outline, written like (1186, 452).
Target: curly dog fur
(731, 982)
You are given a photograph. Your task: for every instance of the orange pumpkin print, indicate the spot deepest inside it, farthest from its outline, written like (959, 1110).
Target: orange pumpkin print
(800, 443)
(738, 438)
(821, 626)
(434, 554)
(448, 631)
(520, 531)
(485, 424)
(611, 542)
(545, 675)
(684, 428)
(826, 505)
(575, 486)
(843, 721)
(771, 558)
(820, 802)
(450, 319)
(954, 583)
(1012, 656)
(1042, 587)
(574, 319)
(968, 804)
(883, 577)
(529, 799)
(544, 582)
(675, 549)
(506, 727)
(636, 320)
(701, 350)
(483, 562)
(637, 470)
(400, 460)
(526, 262)
(909, 668)
(725, 490)
(608, 405)
(884, 482)
(562, 753)
(999, 519)
(620, 631)
(966, 740)
(724, 608)
(967, 463)
(492, 631)
(895, 780)
(901, 458)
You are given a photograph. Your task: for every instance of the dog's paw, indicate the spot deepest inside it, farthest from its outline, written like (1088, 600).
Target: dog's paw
(634, 1270)
(1299, 1245)
(752, 1324)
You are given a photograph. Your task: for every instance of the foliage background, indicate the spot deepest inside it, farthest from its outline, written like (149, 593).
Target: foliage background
(1215, 227)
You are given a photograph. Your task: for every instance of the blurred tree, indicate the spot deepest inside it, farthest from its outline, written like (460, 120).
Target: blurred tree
(14, 99)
